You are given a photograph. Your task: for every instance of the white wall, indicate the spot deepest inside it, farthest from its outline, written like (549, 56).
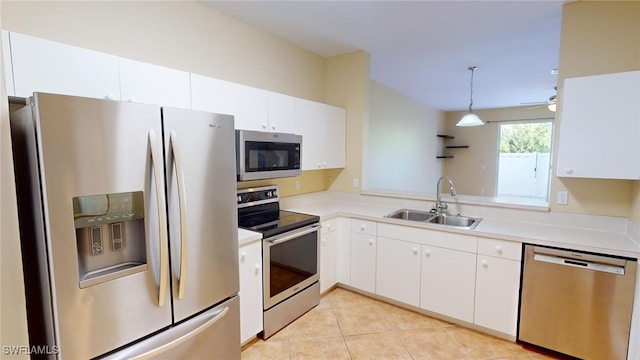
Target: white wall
(13, 316)
(402, 143)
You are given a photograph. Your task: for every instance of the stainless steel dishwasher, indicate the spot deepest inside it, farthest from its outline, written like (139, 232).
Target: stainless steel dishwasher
(577, 303)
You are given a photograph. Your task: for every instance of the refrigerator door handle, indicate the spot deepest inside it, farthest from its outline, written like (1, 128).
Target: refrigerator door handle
(182, 199)
(169, 339)
(162, 222)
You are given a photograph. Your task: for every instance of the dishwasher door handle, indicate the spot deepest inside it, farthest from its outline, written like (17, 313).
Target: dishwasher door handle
(608, 268)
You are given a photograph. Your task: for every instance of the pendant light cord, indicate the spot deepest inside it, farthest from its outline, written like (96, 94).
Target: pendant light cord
(472, 68)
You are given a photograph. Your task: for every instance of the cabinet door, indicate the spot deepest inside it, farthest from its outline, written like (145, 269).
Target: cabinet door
(497, 291)
(282, 113)
(398, 270)
(248, 105)
(363, 262)
(323, 134)
(152, 84)
(600, 127)
(6, 57)
(336, 133)
(311, 124)
(448, 282)
(328, 258)
(47, 66)
(250, 263)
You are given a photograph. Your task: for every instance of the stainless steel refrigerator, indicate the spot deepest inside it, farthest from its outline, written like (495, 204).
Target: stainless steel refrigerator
(129, 229)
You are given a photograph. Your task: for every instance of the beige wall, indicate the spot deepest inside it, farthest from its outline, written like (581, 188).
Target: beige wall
(475, 169)
(13, 317)
(402, 144)
(347, 86)
(598, 37)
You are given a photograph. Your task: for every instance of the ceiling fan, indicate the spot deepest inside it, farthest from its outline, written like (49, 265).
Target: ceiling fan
(550, 104)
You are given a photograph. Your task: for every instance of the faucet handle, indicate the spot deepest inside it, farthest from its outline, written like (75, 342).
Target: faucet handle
(443, 205)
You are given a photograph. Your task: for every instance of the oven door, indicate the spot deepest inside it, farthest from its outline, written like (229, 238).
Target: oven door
(291, 263)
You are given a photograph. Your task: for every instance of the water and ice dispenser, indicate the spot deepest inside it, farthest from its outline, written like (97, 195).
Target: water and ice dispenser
(110, 236)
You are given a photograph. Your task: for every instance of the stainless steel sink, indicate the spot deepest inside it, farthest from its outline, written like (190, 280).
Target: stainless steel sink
(458, 221)
(455, 220)
(413, 215)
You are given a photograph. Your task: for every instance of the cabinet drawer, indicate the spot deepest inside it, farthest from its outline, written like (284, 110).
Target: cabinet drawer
(363, 226)
(329, 226)
(500, 248)
(443, 239)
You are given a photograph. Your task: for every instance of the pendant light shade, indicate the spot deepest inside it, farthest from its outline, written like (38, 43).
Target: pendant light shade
(551, 104)
(470, 119)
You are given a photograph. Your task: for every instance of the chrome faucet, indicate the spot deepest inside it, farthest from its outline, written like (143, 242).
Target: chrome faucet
(441, 205)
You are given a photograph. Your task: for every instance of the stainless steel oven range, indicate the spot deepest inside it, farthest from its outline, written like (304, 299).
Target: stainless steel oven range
(290, 256)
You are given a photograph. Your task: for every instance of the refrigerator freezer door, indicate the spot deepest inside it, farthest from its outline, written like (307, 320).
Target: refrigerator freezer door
(88, 148)
(206, 336)
(201, 195)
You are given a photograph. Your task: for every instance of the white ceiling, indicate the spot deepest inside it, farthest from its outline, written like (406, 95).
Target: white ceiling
(424, 48)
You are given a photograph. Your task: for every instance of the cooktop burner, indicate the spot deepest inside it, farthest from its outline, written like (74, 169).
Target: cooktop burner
(259, 210)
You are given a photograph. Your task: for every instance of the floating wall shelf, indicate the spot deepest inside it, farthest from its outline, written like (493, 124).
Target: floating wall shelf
(445, 138)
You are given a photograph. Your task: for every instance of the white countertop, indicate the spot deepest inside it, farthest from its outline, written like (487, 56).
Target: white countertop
(248, 236)
(603, 240)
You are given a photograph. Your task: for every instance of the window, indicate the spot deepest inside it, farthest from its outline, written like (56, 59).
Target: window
(524, 160)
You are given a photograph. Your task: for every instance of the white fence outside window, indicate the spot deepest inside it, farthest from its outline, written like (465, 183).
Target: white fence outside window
(524, 175)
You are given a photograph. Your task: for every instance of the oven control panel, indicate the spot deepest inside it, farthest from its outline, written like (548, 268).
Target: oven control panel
(255, 196)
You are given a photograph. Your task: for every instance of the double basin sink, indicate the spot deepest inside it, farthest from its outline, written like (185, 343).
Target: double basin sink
(458, 221)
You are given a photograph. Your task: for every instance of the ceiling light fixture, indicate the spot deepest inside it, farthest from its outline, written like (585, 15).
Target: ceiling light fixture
(551, 104)
(470, 119)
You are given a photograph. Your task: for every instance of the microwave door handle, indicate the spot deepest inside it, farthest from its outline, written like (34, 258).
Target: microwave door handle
(183, 212)
(164, 256)
(279, 240)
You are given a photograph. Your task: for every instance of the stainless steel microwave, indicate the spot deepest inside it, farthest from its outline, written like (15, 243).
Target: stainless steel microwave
(267, 155)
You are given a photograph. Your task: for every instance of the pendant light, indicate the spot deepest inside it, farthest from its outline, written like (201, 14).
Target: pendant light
(470, 119)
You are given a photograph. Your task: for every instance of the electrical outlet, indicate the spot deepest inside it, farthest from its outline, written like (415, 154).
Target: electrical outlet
(297, 184)
(356, 183)
(563, 198)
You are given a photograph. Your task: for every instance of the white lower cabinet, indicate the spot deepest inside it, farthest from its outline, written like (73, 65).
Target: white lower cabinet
(250, 263)
(447, 282)
(398, 270)
(329, 238)
(363, 261)
(463, 277)
(497, 285)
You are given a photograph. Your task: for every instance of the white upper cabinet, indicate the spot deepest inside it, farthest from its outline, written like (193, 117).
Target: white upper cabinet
(248, 105)
(336, 137)
(6, 57)
(282, 113)
(323, 134)
(47, 66)
(600, 127)
(152, 84)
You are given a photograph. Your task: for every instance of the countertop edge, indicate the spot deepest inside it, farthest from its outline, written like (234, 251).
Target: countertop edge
(508, 230)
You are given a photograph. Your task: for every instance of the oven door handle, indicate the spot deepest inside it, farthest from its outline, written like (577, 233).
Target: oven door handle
(278, 240)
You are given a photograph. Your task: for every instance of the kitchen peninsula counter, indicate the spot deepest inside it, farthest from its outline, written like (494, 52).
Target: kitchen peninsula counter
(599, 234)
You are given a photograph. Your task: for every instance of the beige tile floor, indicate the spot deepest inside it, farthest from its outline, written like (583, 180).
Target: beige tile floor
(347, 325)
